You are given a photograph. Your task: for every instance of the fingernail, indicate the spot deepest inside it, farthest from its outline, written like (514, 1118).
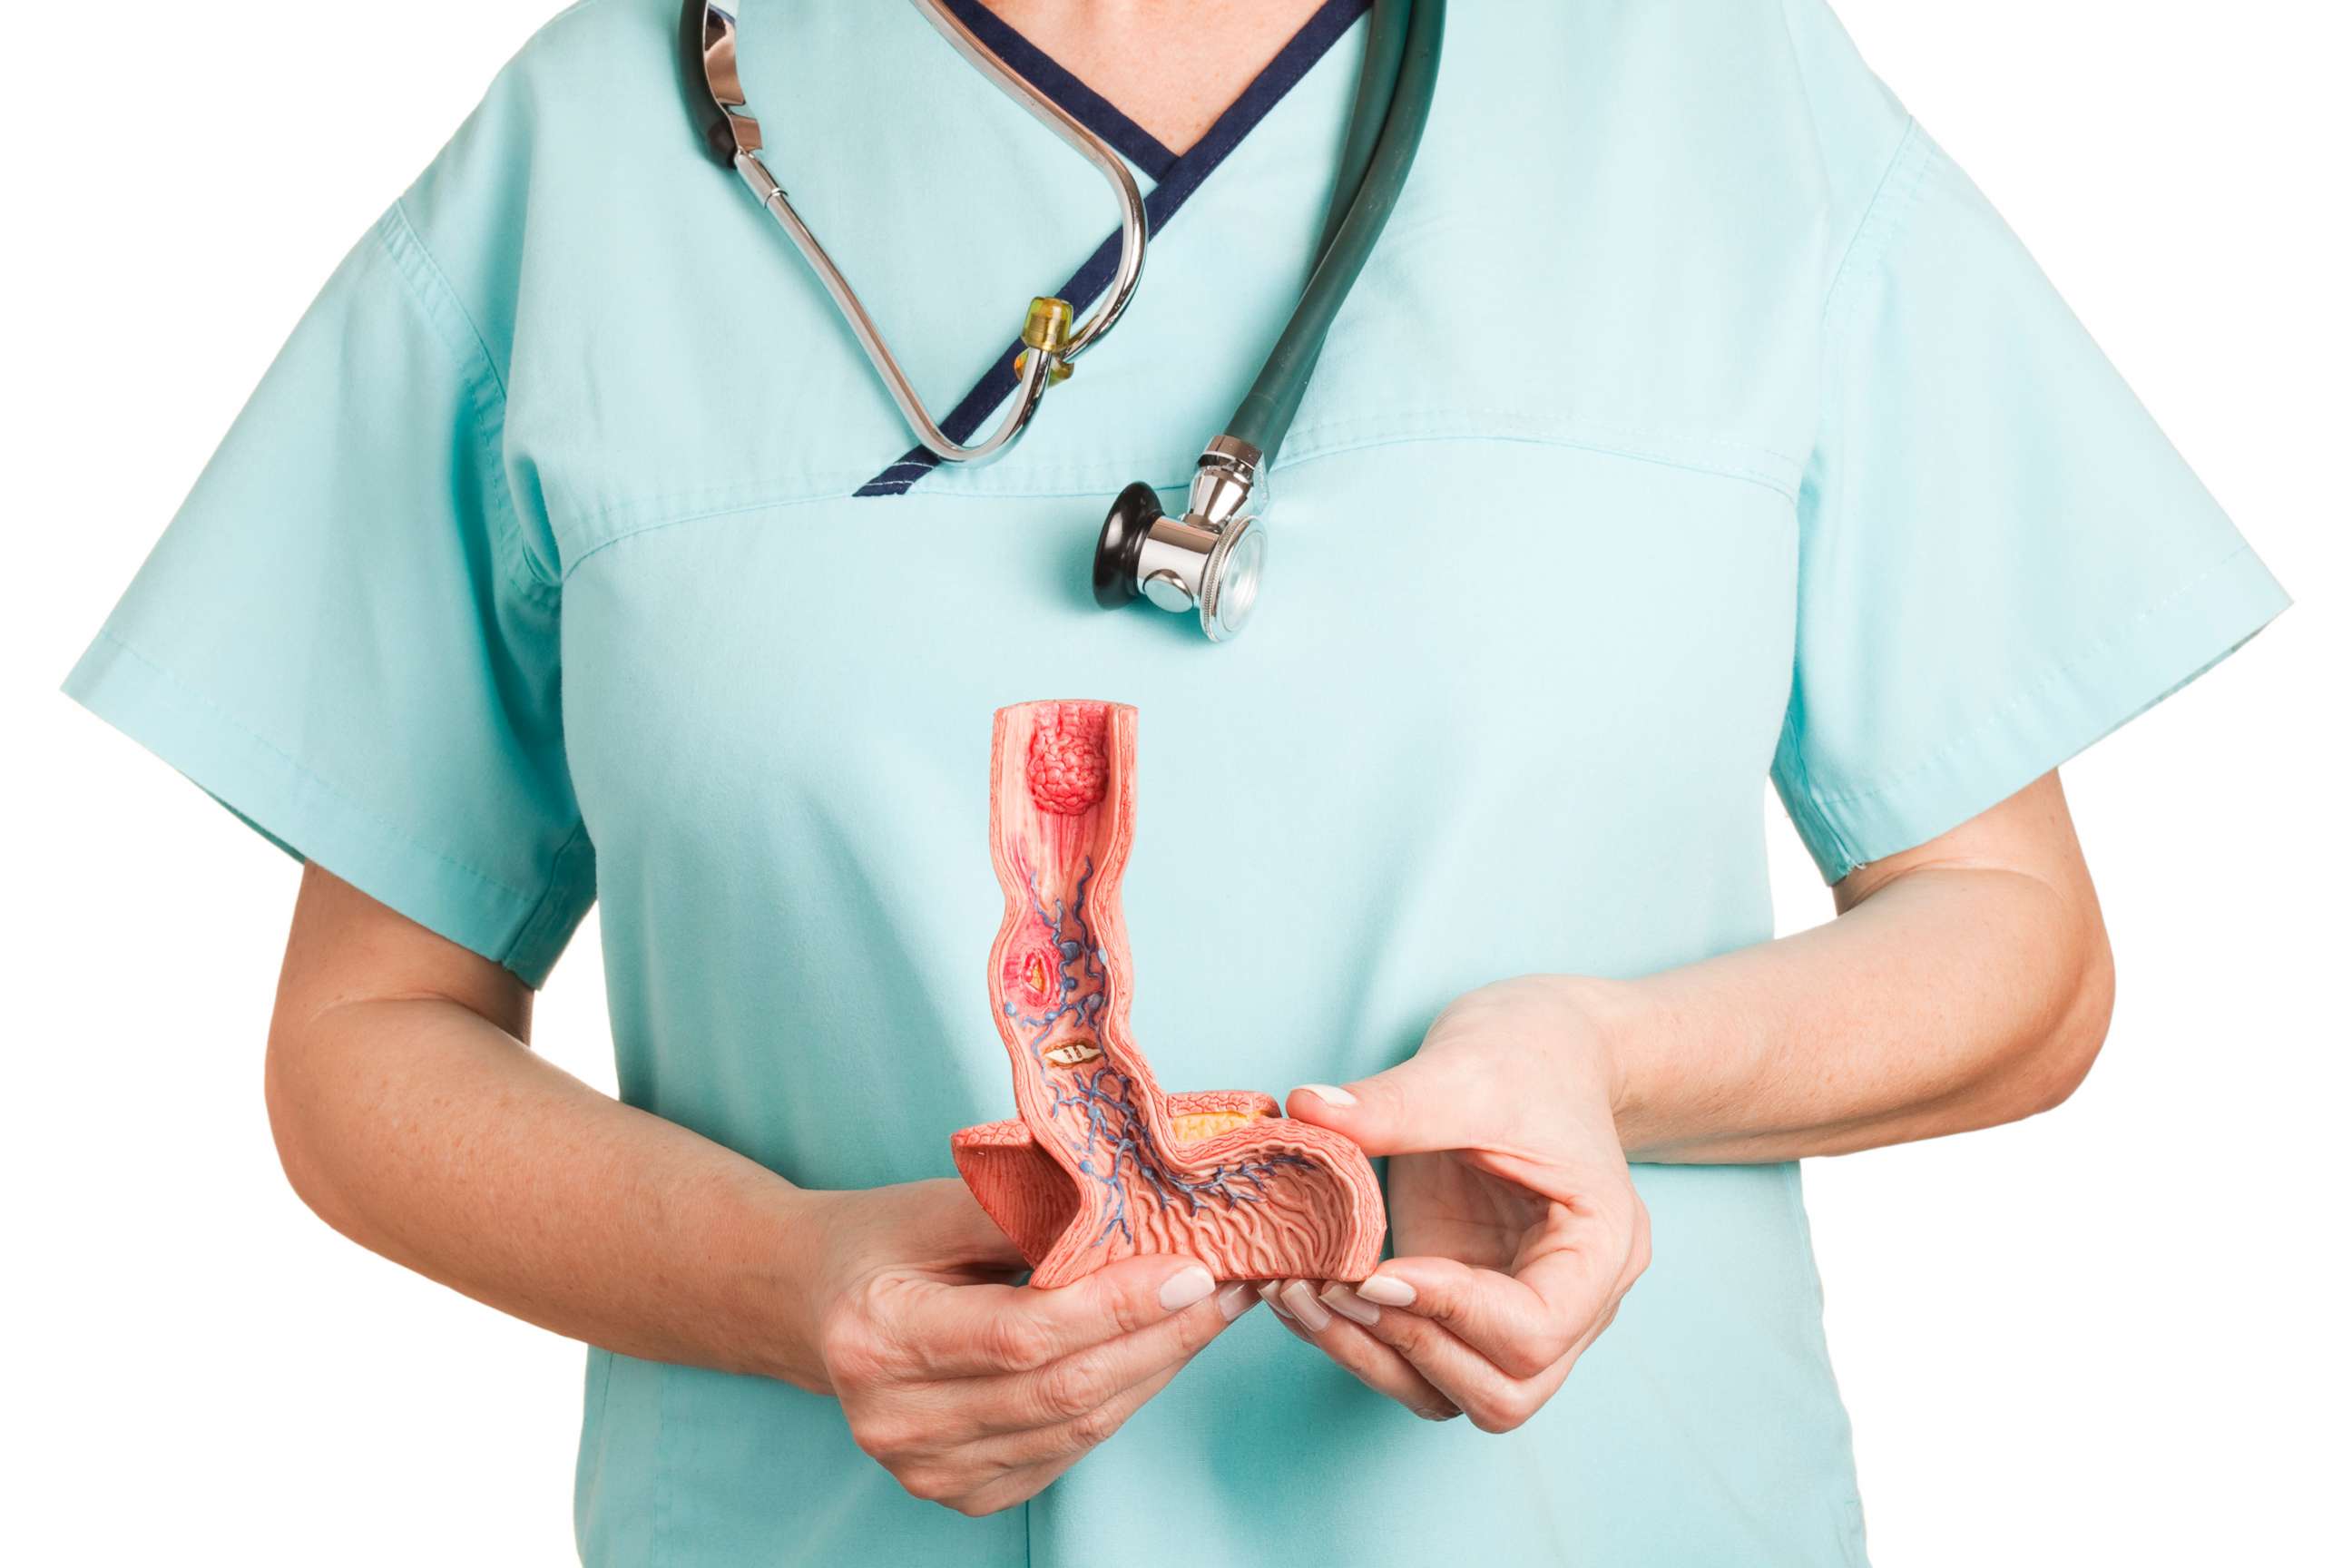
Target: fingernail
(1187, 1285)
(1233, 1300)
(1385, 1289)
(1329, 1094)
(1349, 1305)
(1270, 1294)
(1305, 1307)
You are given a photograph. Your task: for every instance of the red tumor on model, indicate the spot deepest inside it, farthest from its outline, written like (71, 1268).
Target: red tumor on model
(1067, 769)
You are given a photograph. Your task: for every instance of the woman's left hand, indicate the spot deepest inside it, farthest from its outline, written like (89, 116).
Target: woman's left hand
(1514, 1217)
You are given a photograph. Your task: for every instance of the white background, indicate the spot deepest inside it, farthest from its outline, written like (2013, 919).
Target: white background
(2111, 1334)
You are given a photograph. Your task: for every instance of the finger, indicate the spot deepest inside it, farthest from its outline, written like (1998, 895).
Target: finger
(978, 1331)
(1072, 1388)
(1342, 1335)
(947, 1224)
(1494, 1401)
(1012, 1489)
(1423, 1104)
(1522, 1323)
(1310, 1320)
(1069, 1441)
(974, 1491)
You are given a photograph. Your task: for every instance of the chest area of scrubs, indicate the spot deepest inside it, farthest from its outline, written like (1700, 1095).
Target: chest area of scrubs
(1508, 706)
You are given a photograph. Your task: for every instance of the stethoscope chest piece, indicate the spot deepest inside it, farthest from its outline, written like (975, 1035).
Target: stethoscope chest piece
(1210, 559)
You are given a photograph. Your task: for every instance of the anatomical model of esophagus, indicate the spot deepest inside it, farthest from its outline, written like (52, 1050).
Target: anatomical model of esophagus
(1102, 1163)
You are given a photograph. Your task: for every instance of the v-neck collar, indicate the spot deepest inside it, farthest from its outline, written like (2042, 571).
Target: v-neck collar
(1083, 103)
(1175, 176)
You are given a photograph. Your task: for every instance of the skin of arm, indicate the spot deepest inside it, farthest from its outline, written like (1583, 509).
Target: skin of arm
(410, 1114)
(1965, 982)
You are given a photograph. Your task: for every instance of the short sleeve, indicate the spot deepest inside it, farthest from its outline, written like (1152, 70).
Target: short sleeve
(342, 636)
(2000, 558)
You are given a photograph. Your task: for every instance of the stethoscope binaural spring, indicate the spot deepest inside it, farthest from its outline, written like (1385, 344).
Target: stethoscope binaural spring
(1209, 561)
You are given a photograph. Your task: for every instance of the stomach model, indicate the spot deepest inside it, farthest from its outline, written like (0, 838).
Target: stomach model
(1103, 1164)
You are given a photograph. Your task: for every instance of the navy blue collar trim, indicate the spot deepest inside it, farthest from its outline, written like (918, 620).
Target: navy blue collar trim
(1178, 178)
(1088, 107)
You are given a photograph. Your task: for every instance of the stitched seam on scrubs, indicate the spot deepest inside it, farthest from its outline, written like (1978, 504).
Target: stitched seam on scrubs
(1794, 782)
(1890, 207)
(1784, 483)
(433, 291)
(2034, 693)
(549, 913)
(1775, 470)
(367, 813)
(583, 557)
(1088, 483)
(1781, 485)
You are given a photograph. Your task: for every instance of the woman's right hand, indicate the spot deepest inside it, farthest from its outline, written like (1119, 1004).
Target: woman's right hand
(972, 1393)
(411, 1116)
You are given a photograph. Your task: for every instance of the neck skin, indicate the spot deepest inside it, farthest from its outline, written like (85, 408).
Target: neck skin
(1171, 66)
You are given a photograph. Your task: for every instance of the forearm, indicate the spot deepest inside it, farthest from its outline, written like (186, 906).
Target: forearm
(429, 1134)
(1950, 999)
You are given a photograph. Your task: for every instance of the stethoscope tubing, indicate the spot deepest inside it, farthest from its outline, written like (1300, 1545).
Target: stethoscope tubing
(1264, 417)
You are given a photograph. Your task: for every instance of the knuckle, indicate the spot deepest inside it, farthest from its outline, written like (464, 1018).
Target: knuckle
(855, 1344)
(1638, 1253)
(1408, 1335)
(1092, 1428)
(930, 1483)
(1447, 1307)
(1531, 1353)
(1018, 1343)
(1070, 1388)
(851, 1354)
(1503, 1411)
(1127, 1312)
(884, 1438)
(978, 1505)
(1545, 1348)
(1518, 1361)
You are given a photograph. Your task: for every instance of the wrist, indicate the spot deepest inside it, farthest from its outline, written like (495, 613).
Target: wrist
(1606, 1022)
(784, 1286)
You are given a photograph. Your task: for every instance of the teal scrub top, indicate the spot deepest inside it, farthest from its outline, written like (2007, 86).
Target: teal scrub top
(1695, 420)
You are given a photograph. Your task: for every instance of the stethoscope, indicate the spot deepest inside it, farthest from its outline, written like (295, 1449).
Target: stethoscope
(1210, 560)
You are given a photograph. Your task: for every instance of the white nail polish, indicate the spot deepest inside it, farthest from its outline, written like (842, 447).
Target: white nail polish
(1270, 1294)
(1233, 1300)
(1349, 1305)
(1186, 1286)
(1387, 1289)
(1328, 1094)
(1305, 1307)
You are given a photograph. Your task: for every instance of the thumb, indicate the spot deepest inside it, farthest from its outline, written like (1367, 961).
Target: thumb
(1417, 1107)
(948, 1226)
